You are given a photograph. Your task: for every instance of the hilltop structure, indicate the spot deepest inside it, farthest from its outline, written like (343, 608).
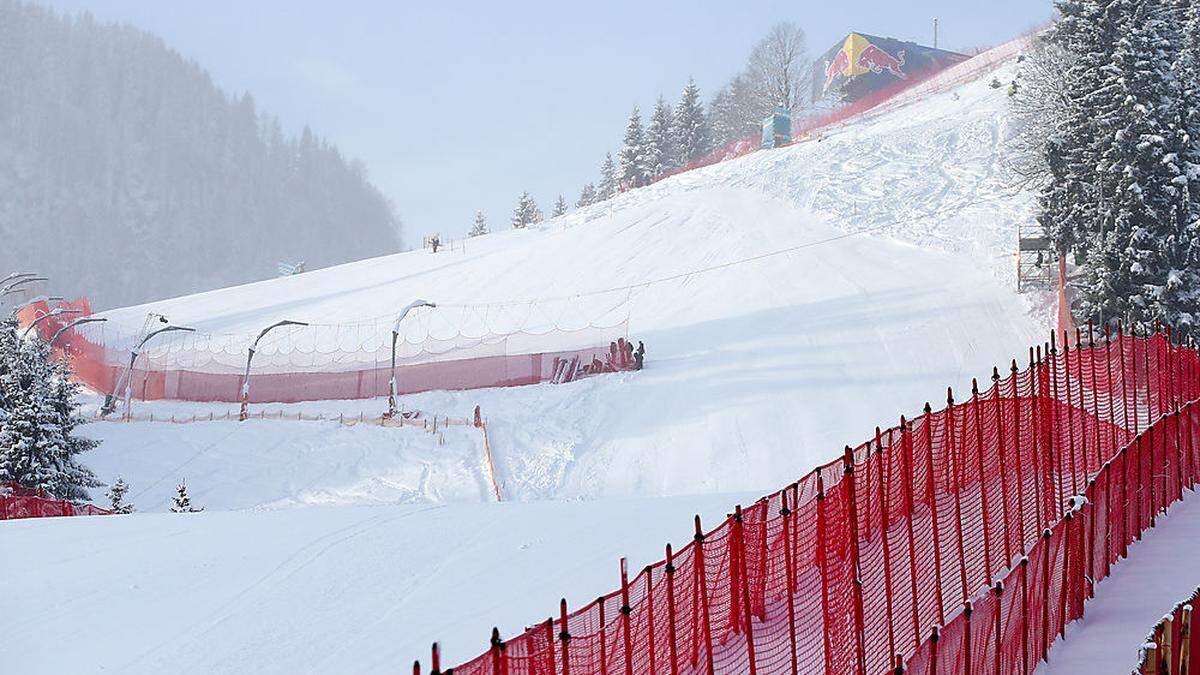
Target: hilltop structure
(863, 64)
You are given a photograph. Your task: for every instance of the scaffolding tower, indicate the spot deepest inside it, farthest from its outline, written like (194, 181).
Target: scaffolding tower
(1036, 260)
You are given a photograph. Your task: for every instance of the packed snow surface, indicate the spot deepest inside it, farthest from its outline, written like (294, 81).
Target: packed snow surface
(318, 590)
(1159, 573)
(789, 301)
(895, 283)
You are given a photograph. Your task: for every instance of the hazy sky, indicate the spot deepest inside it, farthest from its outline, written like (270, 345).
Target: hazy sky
(461, 106)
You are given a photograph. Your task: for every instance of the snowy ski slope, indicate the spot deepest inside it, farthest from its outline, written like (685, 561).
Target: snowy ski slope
(881, 274)
(897, 283)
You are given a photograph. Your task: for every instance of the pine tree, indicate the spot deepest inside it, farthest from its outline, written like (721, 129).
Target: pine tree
(38, 418)
(526, 213)
(72, 477)
(691, 127)
(736, 112)
(181, 502)
(1119, 198)
(560, 207)
(1187, 19)
(633, 152)
(116, 497)
(661, 155)
(480, 226)
(587, 196)
(1068, 204)
(608, 179)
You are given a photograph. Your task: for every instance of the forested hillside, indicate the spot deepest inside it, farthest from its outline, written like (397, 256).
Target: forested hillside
(127, 176)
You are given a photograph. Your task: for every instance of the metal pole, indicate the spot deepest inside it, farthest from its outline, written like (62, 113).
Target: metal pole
(57, 311)
(244, 412)
(133, 354)
(395, 337)
(76, 322)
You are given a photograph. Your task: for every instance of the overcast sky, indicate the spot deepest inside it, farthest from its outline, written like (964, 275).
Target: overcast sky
(455, 108)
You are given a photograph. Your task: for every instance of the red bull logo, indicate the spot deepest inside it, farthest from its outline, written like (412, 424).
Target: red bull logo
(859, 56)
(876, 60)
(839, 65)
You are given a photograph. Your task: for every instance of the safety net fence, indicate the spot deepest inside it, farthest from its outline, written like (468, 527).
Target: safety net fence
(17, 501)
(1173, 647)
(959, 541)
(448, 347)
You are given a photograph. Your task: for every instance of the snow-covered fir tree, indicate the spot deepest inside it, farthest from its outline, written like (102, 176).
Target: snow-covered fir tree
(1068, 206)
(560, 207)
(607, 187)
(587, 196)
(38, 418)
(116, 497)
(1187, 73)
(661, 155)
(1120, 197)
(691, 126)
(181, 502)
(633, 152)
(526, 213)
(480, 225)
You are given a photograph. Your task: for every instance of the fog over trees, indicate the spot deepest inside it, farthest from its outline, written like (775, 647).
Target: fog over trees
(127, 176)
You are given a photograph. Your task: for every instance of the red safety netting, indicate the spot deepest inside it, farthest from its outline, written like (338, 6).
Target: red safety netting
(21, 502)
(851, 567)
(452, 348)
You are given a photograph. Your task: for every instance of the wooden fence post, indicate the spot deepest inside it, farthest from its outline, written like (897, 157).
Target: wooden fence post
(550, 660)
(933, 651)
(881, 495)
(626, 610)
(823, 564)
(983, 498)
(789, 571)
(739, 535)
(856, 562)
(1003, 455)
(1045, 646)
(998, 589)
(703, 596)
(957, 476)
(1167, 650)
(649, 596)
(1025, 665)
(933, 511)
(967, 610)
(910, 508)
(1185, 641)
(671, 639)
(499, 659)
(564, 636)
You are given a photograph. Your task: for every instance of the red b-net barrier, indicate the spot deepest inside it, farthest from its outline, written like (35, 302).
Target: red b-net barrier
(20, 502)
(450, 347)
(985, 524)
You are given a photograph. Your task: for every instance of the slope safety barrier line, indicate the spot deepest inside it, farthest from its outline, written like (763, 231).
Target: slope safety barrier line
(459, 347)
(854, 568)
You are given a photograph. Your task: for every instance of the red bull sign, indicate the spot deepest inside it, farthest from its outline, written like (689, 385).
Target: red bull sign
(862, 63)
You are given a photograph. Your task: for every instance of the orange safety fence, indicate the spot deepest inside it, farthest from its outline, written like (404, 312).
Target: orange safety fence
(984, 524)
(336, 362)
(21, 502)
